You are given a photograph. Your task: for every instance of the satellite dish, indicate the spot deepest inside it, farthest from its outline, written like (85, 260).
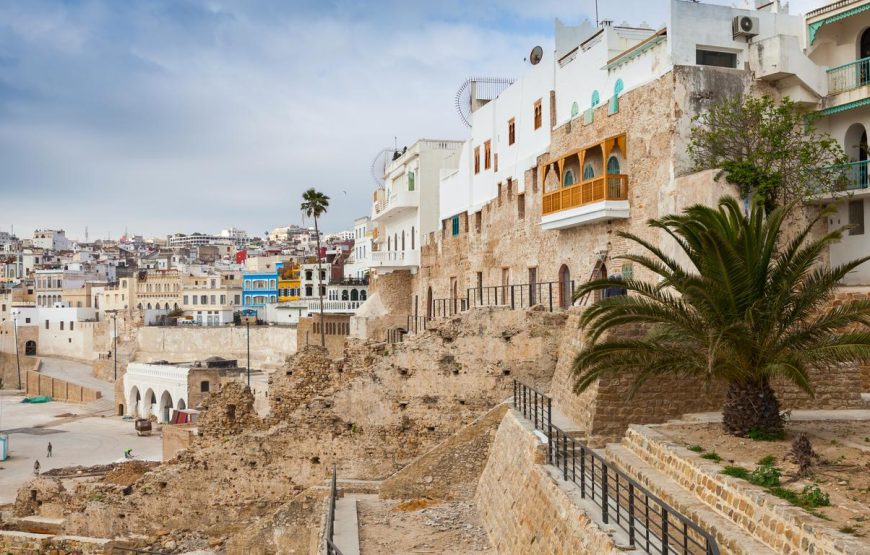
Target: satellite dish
(379, 165)
(480, 89)
(536, 55)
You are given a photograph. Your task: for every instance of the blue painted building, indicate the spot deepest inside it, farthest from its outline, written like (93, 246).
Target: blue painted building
(260, 288)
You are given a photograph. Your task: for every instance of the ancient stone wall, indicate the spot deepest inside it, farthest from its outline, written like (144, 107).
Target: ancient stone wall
(9, 369)
(524, 508)
(57, 389)
(176, 438)
(336, 329)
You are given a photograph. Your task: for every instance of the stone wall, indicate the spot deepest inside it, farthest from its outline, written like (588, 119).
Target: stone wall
(9, 369)
(270, 345)
(784, 527)
(176, 438)
(59, 390)
(23, 542)
(524, 507)
(335, 332)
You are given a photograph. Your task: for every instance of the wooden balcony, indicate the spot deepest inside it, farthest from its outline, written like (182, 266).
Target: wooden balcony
(607, 187)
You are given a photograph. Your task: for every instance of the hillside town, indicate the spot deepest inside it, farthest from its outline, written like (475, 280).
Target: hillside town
(626, 311)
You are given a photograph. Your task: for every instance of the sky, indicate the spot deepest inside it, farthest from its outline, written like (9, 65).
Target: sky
(165, 116)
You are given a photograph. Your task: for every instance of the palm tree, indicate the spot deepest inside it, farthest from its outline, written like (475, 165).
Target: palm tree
(314, 205)
(754, 307)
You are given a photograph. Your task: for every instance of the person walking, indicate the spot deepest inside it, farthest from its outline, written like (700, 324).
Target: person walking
(36, 468)
(49, 450)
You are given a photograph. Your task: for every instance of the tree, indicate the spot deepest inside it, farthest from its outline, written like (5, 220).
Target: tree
(770, 150)
(754, 307)
(314, 205)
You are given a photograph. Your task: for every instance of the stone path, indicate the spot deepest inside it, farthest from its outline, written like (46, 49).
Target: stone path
(346, 531)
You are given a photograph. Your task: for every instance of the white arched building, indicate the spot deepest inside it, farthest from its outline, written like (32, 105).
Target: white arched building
(155, 388)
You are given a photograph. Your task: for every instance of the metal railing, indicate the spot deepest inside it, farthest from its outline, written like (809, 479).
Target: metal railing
(331, 548)
(550, 294)
(418, 324)
(445, 308)
(849, 76)
(851, 176)
(652, 525)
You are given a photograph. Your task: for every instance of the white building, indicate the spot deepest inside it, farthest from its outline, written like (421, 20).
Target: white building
(361, 256)
(156, 389)
(51, 239)
(405, 210)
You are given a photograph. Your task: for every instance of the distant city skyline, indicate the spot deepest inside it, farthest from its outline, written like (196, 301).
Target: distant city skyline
(167, 116)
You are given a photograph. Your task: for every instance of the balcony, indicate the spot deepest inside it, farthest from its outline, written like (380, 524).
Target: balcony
(391, 203)
(593, 200)
(850, 178)
(396, 260)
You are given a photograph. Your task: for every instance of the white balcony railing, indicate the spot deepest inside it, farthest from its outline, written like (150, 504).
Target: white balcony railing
(396, 258)
(849, 76)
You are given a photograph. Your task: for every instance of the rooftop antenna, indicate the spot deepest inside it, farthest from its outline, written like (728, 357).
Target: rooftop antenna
(86, 234)
(596, 13)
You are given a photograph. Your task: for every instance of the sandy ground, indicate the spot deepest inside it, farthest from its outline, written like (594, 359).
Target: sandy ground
(413, 527)
(77, 438)
(842, 470)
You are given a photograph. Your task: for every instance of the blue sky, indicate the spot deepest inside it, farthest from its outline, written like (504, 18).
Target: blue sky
(171, 116)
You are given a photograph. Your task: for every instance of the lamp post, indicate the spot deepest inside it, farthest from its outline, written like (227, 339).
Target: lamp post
(248, 326)
(115, 340)
(17, 354)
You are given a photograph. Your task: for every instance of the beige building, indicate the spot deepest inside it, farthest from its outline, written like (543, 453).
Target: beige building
(120, 296)
(211, 299)
(158, 290)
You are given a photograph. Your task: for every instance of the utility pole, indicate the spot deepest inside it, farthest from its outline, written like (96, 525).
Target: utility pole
(17, 354)
(115, 338)
(248, 326)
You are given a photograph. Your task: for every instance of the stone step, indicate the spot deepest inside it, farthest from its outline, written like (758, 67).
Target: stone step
(39, 525)
(346, 529)
(730, 537)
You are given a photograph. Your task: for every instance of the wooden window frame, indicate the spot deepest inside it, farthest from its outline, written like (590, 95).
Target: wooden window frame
(512, 131)
(476, 160)
(538, 114)
(487, 154)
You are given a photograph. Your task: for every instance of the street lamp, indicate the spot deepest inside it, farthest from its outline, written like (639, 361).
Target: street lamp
(248, 326)
(114, 314)
(17, 354)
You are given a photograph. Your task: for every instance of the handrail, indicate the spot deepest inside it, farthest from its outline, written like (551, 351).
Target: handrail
(331, 548)
(605, 187)
(652, 525)
(550, 294)
(849, 76)
(853, 175)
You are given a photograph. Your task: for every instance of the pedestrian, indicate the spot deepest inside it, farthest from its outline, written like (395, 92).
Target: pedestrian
(49, 449)
(36, 468)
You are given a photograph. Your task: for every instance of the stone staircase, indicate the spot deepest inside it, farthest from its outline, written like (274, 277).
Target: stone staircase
(730, 537)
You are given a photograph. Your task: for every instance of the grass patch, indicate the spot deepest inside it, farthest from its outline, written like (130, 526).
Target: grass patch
(695, 448)
(736, 472)
(760, 435)
(768, 460)
(712, 456)
(848, 530)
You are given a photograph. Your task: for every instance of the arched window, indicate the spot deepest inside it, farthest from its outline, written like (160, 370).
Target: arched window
(362, 295)
(354, 295)
(864, 46)
(565, 291)
(612, 165)
(344, 295)
(595, 99)
(614, 100)
(403, 239)
(569, 178)
(575, 110)
(588, 171)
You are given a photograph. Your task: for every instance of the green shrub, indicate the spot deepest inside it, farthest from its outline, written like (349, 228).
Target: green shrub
(736, 472)
(695, 448)
(768, 460)
(813, 497)
(765, 476)
(711, 456)
(787, 494)
(756, 434)
(848, 529)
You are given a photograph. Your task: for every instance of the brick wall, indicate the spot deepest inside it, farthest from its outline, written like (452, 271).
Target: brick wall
(523, 507)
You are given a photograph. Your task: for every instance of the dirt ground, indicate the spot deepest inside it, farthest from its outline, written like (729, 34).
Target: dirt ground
(416, 527)
(842, 469)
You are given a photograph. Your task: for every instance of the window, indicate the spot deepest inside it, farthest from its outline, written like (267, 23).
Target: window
(569, 178)
(714, 58)
(195, 299)
(539, 114)
(487, 155)
(71, 326)
(478, 221)
(212, 299)
(46, 325)
(856, 217)
(588, 171)
(477, 159)
(61, 326)
(411, 181)
(512, 131)
(27, 321)
(412, 237)
(247, 284)
(455, 225)
(237, 299)
(203, 387)
(185, 300)
(521, 206)
(203, 299)
(613, 165)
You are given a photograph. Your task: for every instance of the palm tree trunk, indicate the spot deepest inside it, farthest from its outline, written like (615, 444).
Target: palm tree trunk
(320, 285)
(752, 406)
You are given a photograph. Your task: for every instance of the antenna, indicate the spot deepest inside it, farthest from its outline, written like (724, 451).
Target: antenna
(536, 55)
(596, 13)
(86, 234)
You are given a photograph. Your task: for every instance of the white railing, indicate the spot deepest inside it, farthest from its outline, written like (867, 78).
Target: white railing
(396, 258)
(331, 306)
(849, 76)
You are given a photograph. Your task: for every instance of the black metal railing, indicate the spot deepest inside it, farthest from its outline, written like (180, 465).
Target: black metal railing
(395, 335)
(445, 308)
(418, 324)
(652, 525)
(550, 294)
(331, 548)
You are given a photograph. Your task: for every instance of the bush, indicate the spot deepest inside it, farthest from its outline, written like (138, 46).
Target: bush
(711, 456)
(765, 476)
(768, 460)
(757, 434)
(812, 497)
(695, 448)
(736, 472)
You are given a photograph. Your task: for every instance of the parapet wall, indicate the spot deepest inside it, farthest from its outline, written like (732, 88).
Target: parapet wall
(57, 389)
(270, 345)
(522, 505)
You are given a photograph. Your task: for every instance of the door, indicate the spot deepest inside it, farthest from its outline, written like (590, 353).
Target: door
(565, 291)
(533, 286)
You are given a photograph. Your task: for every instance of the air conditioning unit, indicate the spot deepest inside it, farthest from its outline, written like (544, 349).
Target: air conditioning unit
(744, 26)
